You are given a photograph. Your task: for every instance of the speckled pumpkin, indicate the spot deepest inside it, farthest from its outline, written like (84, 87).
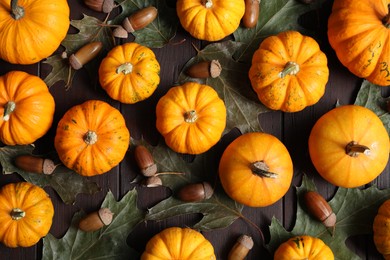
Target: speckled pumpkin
(191, 118)
(26, 214)
(92, 138)
(26, 108)
(129, 73)
(289, 72)
(178, 243)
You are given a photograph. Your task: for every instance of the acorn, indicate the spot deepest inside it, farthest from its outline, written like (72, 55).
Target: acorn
(241, 248)
(195, 192)
(320, 209)
(251, 15)
(104, 6)
(120, 32)
(205, 69)
(140, 19)
(145, 161)
(35, 164)
(96, 220)
(85, 54)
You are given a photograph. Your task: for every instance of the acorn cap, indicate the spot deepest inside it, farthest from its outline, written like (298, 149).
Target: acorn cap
(330, 221)
(208, 190)
(153, 181)
(48, 166)
(105, 216)
(108, 5)
(75, 62)
(120, 32)
(215, 68)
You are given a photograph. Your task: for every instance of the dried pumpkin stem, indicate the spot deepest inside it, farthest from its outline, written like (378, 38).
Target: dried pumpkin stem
(17, 11)
(386, 19)
(190, 116)
(8, 109)
(261, 168)
(207, 3)
(353, 149)
(291, 68)
(90, 137)
(17, 213)
(125, 68)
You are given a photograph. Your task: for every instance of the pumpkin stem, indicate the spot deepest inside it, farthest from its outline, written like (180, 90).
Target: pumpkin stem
(17, 12)
(207, 3)
(386, 19)
(190, 116)
(125, 68)
(90, 137)
(291, 68)
(8, 109)
(353, 149)
(261, 168)
(17, 213)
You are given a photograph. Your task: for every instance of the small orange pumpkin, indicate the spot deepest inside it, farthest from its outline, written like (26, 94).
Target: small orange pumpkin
(178, 243)
(381, 227)
(289, 72)
(92, 138)
(191, 117)
(26, 214)
(31, 30)
(26, 106)
(304, 247)
(129, 73)
(359, 32)
(349, 146)
(256, 169)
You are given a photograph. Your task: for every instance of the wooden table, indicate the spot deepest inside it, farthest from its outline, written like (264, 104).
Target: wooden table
(292, 128)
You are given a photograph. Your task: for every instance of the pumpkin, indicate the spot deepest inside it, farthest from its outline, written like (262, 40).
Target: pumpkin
(191, 118)
(210, 20)
(349, 146)
(289, 72)
(256, 169)
(178, 243)
(92, 138)
(32, 30)
(26, 106)
(26, 214)
(359, 32)
(303, 247)
(129, 73)
(381, 227)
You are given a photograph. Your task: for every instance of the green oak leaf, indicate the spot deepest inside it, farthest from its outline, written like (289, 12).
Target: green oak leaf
(158, 33)
(355, 210)
(107, 243)
(370, 96)
(275, 16)
(61, 71)
(64, 181)
(233, 86)
(218, 212)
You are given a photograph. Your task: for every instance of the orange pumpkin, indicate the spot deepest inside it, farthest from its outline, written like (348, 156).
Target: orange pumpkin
(210, 20)
(191, 117)
(289, 72)
(178, 243)
(92, 138)
(31, 30)
(26, 214)
(381, 228)
(358, 30)
(26, 106)
(256, 169)
(129, 73)
(349, 146)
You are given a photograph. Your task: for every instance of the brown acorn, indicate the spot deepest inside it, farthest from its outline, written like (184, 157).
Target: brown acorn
(320, 209)
(104, 6)
(251, 15)
(145, 161)
(85, 54)
(205, 69)
(195, 192)
(96, 220)
(35, 164)
(241, 248)
(140, 19)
